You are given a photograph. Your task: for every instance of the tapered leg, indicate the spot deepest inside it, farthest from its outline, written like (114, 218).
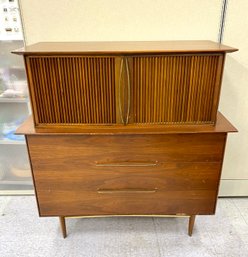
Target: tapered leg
(63, 226)
(191, 224)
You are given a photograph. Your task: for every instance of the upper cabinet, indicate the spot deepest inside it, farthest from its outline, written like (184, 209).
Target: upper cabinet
(122, 83)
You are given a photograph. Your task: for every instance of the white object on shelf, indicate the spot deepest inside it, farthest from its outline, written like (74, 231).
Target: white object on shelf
(18, 85)
(9, 93)
(21, 173)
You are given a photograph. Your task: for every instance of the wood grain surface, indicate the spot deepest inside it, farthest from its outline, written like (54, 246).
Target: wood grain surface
(77, 90)
(96, 175)
(104, 83)
(124, 47)
(176, 89)
(222, 125)
(72, 90)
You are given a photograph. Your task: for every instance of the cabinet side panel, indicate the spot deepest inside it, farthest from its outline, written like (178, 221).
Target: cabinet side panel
(31, 90)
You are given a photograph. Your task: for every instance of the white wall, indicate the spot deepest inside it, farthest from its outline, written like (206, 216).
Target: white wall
(234, 100)
(94, 20)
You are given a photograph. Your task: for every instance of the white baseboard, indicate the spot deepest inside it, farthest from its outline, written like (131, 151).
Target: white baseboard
(233, 187)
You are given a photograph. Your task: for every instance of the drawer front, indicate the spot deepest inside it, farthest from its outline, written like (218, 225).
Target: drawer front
(72, 179)
(168, 188)
(60, 151)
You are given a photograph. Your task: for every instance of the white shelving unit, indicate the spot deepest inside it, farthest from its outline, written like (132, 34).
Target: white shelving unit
(16, 182)
(11, 142)
(13, 100)
(15, 174)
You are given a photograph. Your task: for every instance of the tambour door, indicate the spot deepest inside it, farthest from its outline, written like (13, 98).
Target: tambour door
(128, 89)
(171, 89)
(72, 90)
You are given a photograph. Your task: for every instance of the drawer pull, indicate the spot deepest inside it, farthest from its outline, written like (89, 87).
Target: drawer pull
(126, 190)
(126, 164)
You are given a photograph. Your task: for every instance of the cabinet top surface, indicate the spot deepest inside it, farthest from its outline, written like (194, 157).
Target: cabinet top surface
(222, 126)
(125, 47)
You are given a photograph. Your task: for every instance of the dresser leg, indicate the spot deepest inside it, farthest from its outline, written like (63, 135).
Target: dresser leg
(63, 226)
(191, 224)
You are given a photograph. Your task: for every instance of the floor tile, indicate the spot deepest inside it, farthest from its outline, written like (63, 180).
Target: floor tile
(24, 234)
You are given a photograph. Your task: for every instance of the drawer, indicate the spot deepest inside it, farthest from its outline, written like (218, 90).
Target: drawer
(125, 175)
(121, 175)
(166, 188)
(56, 151)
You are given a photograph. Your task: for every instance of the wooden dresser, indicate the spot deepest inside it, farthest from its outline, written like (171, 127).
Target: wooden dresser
(126, 128)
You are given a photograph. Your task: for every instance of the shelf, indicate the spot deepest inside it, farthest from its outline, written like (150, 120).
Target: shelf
(17, 67)
(16, 192)
(11, 142)
(16, 182)
(13, 100)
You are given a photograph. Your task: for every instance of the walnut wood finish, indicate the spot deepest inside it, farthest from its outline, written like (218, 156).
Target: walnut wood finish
(128, 128)
(174, 85)
(63, 226)
(191, 224)
(137, 148)
(124, 47)
(70, 182)
(176, 89)
(222, 126)
(73, 90)
(67, 91)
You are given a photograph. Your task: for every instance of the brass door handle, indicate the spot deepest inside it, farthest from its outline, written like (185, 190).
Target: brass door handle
(126, 164)
(120, 100)
(128, 91)
(126, 190)
(125, 76)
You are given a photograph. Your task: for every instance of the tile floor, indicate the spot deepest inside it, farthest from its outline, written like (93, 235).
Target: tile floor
(23, 234)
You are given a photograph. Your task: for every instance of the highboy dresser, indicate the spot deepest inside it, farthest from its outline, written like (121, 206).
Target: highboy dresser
(126, 128)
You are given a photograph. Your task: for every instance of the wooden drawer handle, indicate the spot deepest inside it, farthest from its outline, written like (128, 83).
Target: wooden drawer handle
(126, 190)
(126, 164)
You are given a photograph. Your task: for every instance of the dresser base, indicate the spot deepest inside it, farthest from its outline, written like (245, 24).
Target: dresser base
(190, 226)
(132, 172)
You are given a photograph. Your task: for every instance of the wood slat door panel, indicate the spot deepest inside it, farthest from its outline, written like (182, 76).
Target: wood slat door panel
(175, 89)
(69, 90)
(90, 150)
(109, 90)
